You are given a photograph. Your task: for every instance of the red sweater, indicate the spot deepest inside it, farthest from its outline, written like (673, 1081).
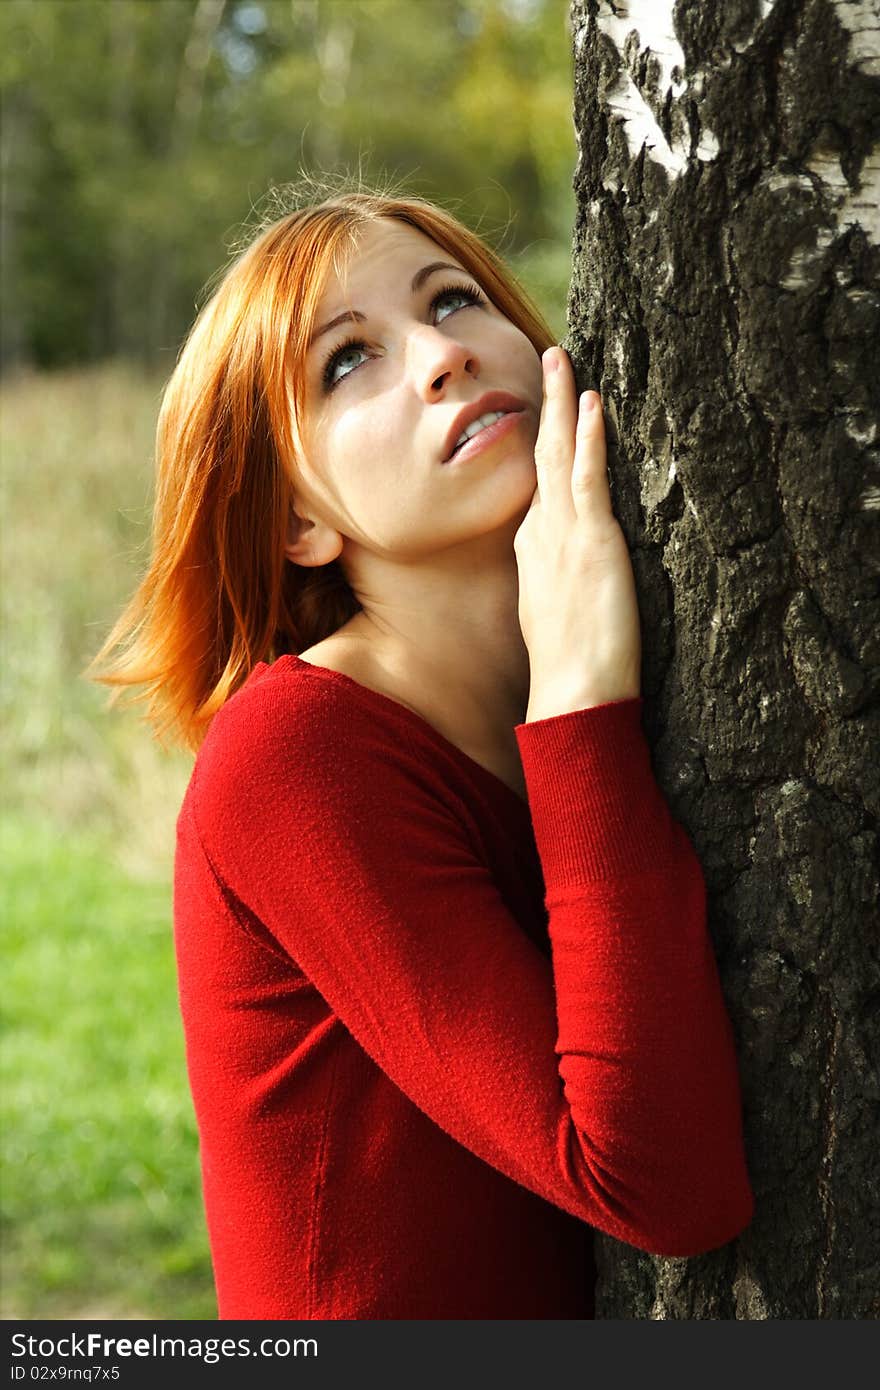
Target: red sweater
(416, 1089)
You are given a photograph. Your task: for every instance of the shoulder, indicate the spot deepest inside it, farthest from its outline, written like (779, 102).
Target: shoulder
(296, 734)
(281, 749)
(278, 703)
(284, 720)
(306, 771)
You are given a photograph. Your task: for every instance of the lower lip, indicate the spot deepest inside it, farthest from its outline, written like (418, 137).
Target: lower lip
(487, 437)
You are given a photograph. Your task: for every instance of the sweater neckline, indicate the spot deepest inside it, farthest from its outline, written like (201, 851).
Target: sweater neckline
(503, 791)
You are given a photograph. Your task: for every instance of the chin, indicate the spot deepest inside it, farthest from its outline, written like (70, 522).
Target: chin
(507, 508)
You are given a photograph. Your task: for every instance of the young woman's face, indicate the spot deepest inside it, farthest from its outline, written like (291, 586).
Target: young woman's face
(374, 438)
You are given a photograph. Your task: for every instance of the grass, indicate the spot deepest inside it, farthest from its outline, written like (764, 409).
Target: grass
(101, 1205)
(101, 1199)
(76, 492)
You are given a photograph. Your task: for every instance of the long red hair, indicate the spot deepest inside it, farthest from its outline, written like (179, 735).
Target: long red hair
(219, 594)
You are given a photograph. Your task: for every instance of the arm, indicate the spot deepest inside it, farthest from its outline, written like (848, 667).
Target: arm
(604, 1080)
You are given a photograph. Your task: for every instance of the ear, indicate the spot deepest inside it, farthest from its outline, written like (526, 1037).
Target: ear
(310, 543)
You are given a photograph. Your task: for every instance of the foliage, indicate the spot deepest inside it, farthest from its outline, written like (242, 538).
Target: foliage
(138, 135)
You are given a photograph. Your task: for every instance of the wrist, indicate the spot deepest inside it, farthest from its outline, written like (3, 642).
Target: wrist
(548, 705)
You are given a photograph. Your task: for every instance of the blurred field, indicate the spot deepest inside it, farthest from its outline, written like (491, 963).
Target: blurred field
(101, 1206)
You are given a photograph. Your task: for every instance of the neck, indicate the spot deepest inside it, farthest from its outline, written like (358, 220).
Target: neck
(447, 627)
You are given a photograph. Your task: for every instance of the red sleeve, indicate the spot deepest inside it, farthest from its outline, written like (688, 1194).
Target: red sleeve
(603, 1079)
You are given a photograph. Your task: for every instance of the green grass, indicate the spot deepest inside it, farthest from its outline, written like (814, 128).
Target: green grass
(101, 1200)
(99, 1190)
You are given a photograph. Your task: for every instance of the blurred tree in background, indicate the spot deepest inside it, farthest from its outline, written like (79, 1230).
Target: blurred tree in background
(138, 134)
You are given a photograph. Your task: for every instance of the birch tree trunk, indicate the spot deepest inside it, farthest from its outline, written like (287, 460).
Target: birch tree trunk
(725, 301)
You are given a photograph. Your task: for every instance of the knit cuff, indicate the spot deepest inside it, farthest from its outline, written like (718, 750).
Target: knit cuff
(597, 811)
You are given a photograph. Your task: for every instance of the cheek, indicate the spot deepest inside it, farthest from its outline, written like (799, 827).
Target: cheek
(522, 357)
(368, 445)
(352, 446)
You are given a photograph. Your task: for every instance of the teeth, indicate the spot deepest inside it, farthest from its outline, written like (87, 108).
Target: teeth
(480, 424)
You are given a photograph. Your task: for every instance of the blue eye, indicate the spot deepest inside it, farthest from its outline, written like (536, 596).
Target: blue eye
(350, 345)
(469, 293)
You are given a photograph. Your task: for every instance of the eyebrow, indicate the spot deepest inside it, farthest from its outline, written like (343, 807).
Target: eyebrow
(355, 314)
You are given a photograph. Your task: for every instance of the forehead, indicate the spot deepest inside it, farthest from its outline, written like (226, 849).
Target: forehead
(384, 247)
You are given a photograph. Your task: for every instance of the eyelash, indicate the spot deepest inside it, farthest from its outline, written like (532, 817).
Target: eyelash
(467, 292)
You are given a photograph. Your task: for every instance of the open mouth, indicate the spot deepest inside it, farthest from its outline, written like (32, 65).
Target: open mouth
(486, 434)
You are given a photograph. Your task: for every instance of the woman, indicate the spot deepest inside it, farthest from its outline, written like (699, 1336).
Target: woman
(447, 989)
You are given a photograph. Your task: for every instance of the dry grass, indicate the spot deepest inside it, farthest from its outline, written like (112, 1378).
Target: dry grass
(77, 482)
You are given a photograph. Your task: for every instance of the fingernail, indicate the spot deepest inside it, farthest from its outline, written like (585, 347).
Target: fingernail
(589, 400)
(550, 360)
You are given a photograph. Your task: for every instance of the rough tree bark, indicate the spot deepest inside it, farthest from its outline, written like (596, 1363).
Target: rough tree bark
(724, 301)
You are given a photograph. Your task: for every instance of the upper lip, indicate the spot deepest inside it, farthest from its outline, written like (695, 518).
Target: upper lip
(492, 400)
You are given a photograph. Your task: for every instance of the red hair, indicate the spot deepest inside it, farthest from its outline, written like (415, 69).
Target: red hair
(219, 594)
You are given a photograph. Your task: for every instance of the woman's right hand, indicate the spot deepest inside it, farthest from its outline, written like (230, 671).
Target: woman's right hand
(577, 596)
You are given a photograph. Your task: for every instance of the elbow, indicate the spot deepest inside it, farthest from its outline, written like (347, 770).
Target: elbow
(671, 1209)
(676, 1229)
(702, 1226)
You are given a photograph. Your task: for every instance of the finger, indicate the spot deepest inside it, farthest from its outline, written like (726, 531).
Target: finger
(555, 444)
(590, 489)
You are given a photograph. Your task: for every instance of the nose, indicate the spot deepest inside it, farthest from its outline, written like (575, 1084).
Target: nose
(437, 357)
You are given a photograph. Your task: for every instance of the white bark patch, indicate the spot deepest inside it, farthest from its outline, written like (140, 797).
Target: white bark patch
(847, 207)
(852, 206)
(651, 22)
(714, 629)
(826, 166)
(861, 20)
(708, 146)
(640, 128)
(861, 429)
(864, 206)
(802, 265)
(620, 359)
(778, 181)
(655, 483)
